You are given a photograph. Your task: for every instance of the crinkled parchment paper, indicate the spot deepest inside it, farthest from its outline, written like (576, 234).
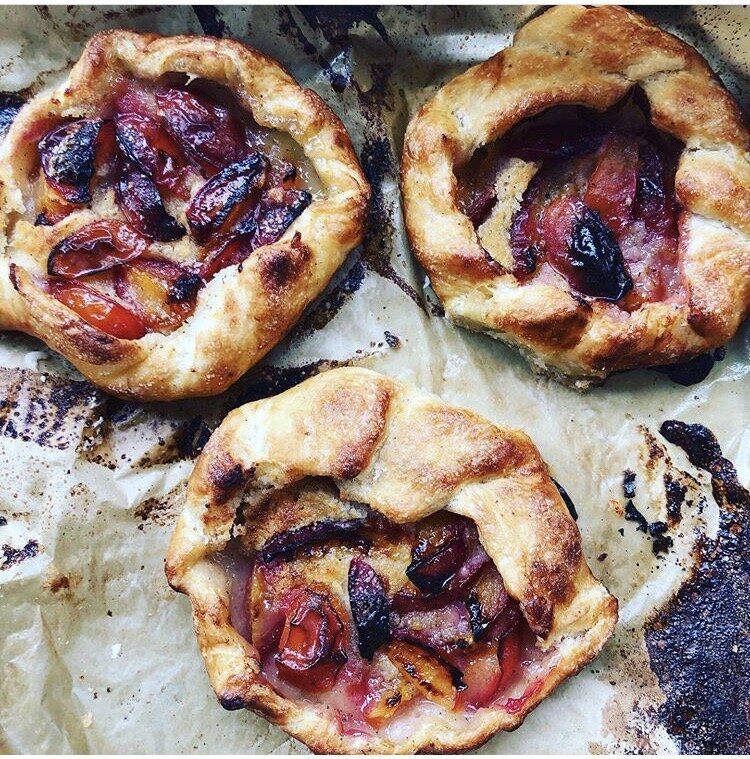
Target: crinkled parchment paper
(98, 655)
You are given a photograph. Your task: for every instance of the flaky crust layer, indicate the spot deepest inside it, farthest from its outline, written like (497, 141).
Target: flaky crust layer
(590, 57)
(241, 313)
(406, 454)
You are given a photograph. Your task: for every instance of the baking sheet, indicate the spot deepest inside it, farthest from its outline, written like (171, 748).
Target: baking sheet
(98, 655)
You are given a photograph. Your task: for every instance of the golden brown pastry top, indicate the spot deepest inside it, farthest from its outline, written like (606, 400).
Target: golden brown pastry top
(406, 455)
(242, 312)
(592, 57)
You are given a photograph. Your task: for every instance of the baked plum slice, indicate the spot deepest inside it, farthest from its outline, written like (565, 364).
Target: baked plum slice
(97, 309)
(207, 132)
(311, 647)
(370, 607)
(67, 154)
(139, 199)
(439, 553)
(95, 247)
(161, 292)
(217, 205)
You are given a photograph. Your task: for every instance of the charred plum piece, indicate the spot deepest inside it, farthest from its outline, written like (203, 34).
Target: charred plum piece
(594, 265)
(95, 247)
(439, 553)
(277, 209)
(432, 676)
(370, 607)
(10, 105)
(487, 600)
(67, 156)
(139, 199)
(476, 203)
(285, 544)
(311, 648)
(224, 195)
(98, 310)
(206, 131)
(163, 293)
(145, 142)
(446, 628)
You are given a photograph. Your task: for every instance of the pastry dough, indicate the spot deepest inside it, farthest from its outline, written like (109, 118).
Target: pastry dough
(242, 311)
(589, 57)
(348, 443)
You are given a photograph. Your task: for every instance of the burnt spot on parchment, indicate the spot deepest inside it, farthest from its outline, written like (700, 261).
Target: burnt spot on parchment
(266, 381)
(336, 21)
(50, 411)
(209, 17)
(697, 642)
(567, 500)
(10, 556)
(10, 105)
(162, 511)
(694, 371)
(676, 495)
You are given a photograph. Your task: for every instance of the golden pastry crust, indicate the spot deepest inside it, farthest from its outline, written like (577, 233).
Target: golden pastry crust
(407, 455)
(242, 312)
(592, 57)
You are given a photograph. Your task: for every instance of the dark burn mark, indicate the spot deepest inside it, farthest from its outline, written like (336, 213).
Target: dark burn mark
(675, 493)
(633, 515)
(567, 500)
(661, 542)
(192, 438)
(336, 21)
(697, 642)
(12, 556)
(232, 703)
(10, 105)
(3, 521)
(272, 380)
(378, 163)
(227, 480)
(628, 483)
(210, 20)
(392, 340)
(694, 371)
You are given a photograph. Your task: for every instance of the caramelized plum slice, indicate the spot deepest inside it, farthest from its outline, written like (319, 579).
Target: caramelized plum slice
(381, 706)
(98, 310)
(370, 607)
(139, 199)
(311, 647)
(67, 155)
(284, 545)
(446, 628)
(161, 292)
(10, 105)
(146, 143)
(654, 203)
(206, 131)
(277, 209)
(95, 247)
(432, 676)
(439, 552)
(487, 600)
(224, 195)
(611, 188)
(483, 673)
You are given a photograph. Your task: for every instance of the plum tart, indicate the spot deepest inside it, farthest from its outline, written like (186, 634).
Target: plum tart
(583, 195)
(376, 571)
(170, 211)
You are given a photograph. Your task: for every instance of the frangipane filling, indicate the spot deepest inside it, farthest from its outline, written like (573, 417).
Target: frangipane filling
(373, 619)
(164, 164)
(597, 206)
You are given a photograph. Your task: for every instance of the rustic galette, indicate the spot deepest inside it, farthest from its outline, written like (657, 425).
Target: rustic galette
(374, 570)
(584, 195)
(170, 211)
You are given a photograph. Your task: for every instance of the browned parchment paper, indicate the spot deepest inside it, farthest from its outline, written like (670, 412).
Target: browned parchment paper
(98, 655)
